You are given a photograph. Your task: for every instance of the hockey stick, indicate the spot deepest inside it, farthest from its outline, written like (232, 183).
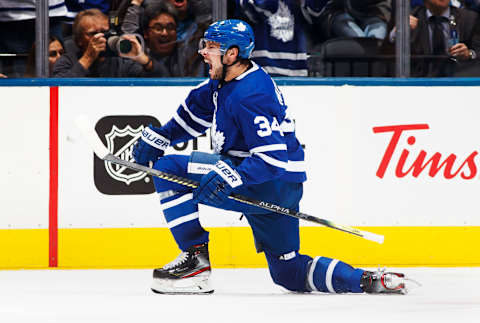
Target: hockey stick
(102, 152)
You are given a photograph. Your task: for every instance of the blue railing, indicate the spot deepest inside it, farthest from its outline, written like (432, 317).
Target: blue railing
(292, 81)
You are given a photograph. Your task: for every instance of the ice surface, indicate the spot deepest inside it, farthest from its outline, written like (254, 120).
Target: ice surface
(241, 295)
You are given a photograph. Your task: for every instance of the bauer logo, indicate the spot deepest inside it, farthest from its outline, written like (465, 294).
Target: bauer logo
(119, 134)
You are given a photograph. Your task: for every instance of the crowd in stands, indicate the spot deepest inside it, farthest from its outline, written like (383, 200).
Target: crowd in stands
(159, 38)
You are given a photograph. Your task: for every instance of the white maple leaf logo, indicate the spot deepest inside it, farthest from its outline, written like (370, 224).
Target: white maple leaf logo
(282, 23)
(240, 26)
(218, 138)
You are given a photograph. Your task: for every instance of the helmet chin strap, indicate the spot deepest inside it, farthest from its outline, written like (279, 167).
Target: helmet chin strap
(225, 66)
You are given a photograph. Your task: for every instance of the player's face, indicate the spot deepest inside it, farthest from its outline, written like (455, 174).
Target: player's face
(212, 56)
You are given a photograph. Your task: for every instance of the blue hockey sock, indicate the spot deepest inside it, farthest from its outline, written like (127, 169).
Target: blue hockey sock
(333, 276)
(181, 215)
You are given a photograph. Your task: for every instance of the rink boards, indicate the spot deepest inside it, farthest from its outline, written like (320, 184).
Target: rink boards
(390, 158)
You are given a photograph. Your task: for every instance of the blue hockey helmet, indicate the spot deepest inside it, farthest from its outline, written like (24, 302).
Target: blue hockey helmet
(232, 32)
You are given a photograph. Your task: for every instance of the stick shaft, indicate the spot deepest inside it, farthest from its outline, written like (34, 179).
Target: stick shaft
(247, 200)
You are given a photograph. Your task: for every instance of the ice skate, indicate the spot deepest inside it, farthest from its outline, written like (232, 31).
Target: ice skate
(381, 282)
(189, 273)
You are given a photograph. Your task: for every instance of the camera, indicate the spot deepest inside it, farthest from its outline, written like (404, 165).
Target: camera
(116, 44)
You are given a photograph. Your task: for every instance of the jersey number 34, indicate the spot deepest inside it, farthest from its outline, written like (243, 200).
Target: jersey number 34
(266, 128)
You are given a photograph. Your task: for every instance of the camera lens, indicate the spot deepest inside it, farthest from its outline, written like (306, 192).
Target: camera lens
(125, 46)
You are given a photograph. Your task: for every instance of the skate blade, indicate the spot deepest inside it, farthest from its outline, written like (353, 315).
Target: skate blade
(408, 284)
(184, 286)
(411, 284)
(182, 293)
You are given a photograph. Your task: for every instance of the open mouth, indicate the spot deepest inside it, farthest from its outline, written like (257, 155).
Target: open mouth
(179, 3)
(164, 42)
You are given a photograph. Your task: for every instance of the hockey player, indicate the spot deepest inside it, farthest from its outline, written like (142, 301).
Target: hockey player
(257, 154)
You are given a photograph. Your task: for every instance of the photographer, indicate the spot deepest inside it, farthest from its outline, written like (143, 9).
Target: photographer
(89, 55)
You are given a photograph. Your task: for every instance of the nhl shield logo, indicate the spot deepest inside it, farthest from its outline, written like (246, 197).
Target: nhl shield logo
(119, 134)
(121, 173)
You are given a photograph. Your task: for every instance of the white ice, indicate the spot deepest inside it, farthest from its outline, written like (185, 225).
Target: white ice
(241, 295)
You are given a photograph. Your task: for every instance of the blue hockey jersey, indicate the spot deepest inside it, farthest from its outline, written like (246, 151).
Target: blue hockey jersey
(248, 119)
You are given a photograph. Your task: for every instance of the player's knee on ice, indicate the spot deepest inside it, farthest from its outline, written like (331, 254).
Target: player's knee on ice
(301, 273)
(288, 272)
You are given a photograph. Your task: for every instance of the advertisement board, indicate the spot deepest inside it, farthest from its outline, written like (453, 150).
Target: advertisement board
(373, 162)
(401, 161)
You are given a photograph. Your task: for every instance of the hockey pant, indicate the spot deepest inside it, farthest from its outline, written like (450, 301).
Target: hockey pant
(275, 234)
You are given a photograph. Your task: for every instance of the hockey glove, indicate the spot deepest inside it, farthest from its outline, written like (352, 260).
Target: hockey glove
(150, 147)
(216, 186)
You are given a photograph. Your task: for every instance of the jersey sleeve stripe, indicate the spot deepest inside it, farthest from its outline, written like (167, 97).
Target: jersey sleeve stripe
(274, 147)
(238, 153)
(195, 118)
(296, 166)
(290, 166)
(272, 161)
(183, 124)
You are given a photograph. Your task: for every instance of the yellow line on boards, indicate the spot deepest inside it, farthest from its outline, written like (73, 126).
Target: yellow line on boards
(23, 248)
(232, 247)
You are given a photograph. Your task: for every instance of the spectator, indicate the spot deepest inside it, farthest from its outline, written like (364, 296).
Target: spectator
(431, 34)
(357, 18)
(192, 14)
(55, 50)
(193, 17)
(468, 4)
(170, 57)
(86, 56)
(471, 4)
(280, 32)
(17, 30)
(75, 6)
